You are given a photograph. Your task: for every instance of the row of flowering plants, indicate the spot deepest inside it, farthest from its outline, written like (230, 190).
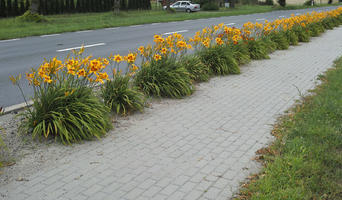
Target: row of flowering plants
(66, 107)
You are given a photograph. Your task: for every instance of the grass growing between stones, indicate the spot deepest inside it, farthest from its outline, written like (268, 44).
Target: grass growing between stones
(305, 161)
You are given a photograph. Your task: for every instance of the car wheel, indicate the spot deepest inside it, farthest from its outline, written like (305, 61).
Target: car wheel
(188, 10)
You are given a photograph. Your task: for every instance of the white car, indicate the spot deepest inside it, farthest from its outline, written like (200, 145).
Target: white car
(186, 6)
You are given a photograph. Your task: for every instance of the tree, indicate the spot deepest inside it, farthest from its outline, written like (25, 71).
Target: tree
(27, 5)
(57, 7)
(86, 5)
(61, 6)
(282, 3)
(67, 6)
(72, 6)
(9, 8)
(51, 8)
(34, 6)
(78, 6)
(22, 7)
(232, 3)
(116, 6)
(123, 4)
(15, 8)
(131, 4)
(2, 8)
(168, 3)
(147, 4)
(93, 6)
(269, 2)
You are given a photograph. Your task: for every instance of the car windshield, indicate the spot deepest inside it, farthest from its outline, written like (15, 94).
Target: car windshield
(176, 4)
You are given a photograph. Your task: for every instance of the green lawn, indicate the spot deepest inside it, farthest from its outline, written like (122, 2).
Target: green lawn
(11, 28)
(305, 162)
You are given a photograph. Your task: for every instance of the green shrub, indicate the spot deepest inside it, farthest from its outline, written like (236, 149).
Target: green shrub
(171, 10)
(241, 53)
(66, 113)
(291, 37)
(220, 60)
(64, 105)
(121, 97)
(31, 17)
(198, 71)
(210, 6)
(257, 50)
(309, 3)
(268, 44)
(335, 21)
(269, 2)
(164, 78)
(320, 27)
(314, 30)
(339, 18)
(302, 34)
(280, 40)
(282, 3)
(328, 23)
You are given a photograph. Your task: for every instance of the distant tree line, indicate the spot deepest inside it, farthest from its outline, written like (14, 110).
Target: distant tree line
(10, 8)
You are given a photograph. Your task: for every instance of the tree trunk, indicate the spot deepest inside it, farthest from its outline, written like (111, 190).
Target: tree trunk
(232, 3)
(116, 7)
(34, 6)
(168, 3)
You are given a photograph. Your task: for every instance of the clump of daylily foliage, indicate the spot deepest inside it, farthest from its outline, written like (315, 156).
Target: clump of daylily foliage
(64, 103)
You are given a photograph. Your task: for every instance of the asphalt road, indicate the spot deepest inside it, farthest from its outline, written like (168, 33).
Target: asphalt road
(20, 55)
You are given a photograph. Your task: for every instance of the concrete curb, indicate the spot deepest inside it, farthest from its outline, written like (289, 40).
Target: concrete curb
(16, 107)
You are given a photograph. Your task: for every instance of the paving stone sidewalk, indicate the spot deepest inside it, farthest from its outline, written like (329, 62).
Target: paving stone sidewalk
(200, 147)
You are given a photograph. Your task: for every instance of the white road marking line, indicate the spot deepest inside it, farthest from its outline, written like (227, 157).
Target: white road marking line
(182, 31)
(87, 31)
(51, 35)
(135, 26)
(282, 16)
(155, 24)
(262, 19)
(110, 29)
(172, 22)
(230, 24)
(9, 40)
(86, 46)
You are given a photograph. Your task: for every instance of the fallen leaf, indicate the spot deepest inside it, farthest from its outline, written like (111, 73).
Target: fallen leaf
(8, 164)
(21, 179)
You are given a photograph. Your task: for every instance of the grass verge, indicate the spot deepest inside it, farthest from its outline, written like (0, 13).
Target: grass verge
(305, 161)
(12, 28)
